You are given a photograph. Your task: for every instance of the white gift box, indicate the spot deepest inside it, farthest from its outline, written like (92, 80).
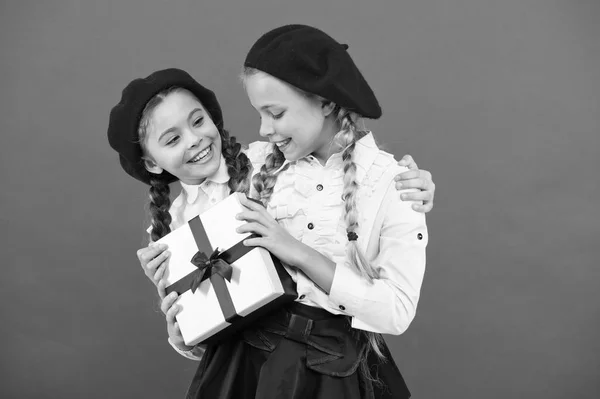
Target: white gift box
(258, 285)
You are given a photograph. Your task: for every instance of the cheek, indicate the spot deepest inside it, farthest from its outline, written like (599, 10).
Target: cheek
(312, 123)
(169, 158)
(214, 133)
(290, 126)
(217, 142)
(312, 130)
(155, 155)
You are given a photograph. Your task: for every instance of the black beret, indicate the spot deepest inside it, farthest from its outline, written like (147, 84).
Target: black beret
(313, 61)
(125, 117)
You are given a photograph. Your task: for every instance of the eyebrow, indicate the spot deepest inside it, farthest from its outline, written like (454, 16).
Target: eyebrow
(172, 129)
(264, 107)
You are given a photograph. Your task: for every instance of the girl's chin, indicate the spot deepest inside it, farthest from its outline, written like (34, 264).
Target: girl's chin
(293, 156)
(290, 155)
(197, 173)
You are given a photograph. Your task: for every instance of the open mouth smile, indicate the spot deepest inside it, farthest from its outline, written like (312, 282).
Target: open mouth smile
(201, 155)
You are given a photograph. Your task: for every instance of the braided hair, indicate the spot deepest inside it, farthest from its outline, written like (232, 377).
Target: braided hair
(347, 137)
(239, 166)
(264, 181)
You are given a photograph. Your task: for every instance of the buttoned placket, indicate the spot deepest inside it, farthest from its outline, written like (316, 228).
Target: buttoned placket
(331, 168)
(317, 173)
(321, 178)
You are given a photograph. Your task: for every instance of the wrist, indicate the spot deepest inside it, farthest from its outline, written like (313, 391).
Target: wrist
(303, 255)
(319, 268)
(183, 347)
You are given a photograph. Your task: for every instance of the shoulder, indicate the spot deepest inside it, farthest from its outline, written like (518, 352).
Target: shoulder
(385, 158)
(379, 168)
(373, 164)
(392, 200)
(378, 184)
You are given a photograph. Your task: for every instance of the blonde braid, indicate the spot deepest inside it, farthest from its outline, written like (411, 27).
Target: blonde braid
(347, 137)
(264, 181)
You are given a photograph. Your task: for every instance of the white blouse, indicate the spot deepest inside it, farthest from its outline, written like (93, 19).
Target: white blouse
(195, 199)
(307, 201)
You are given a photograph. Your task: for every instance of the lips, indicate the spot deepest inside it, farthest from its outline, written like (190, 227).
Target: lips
(281, 143)
(200, 155)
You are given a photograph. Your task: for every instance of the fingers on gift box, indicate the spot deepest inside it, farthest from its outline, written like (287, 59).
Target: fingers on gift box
(223, 286)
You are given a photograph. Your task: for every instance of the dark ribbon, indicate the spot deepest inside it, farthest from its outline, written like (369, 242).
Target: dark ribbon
(216, 267)
(207, 266)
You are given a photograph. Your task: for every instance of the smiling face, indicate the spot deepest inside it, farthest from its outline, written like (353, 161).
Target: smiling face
(182, 139)
(298, 124)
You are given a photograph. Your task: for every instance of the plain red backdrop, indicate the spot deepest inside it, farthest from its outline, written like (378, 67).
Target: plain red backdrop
(499, 99)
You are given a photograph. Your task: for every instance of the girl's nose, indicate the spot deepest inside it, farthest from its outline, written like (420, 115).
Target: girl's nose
(193, 139)
(266, 127)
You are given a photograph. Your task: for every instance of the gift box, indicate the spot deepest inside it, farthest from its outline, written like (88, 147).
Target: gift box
(223, 285)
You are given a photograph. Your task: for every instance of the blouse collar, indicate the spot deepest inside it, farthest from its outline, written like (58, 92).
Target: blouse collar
(219, 177)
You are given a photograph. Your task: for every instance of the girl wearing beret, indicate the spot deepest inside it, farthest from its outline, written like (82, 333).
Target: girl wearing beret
(332, 215)
(167, 127)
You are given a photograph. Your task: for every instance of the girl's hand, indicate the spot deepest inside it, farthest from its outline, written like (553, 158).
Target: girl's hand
(171, 310)
(415, 178)
(274, 238)
(154, 260)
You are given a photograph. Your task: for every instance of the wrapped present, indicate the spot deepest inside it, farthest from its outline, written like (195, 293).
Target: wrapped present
(223, 285)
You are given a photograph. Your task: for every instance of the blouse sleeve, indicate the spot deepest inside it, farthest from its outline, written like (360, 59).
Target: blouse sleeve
(388, 304)
(195, 353)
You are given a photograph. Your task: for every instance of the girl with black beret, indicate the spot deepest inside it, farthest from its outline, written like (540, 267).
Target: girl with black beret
(332, 215)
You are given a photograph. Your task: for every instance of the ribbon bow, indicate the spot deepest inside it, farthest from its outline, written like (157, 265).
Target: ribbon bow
(207, 266)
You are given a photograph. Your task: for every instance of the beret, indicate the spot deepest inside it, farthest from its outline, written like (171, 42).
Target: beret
(125, 117)
(313, 61)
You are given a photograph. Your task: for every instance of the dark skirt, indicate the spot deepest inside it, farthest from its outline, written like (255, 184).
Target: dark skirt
(295, 353)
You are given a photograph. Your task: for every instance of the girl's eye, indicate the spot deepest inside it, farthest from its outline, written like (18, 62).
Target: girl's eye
(198, 121)
(278, 116)
(173, 140)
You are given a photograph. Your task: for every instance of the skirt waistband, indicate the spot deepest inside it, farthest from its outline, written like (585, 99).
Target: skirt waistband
(312, 312)
(325, 341)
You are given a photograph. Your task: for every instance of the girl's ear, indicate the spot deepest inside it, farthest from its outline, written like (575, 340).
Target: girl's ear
(327, 107)
(152, 167)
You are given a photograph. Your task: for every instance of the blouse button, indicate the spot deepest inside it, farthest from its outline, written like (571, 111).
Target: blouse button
(420, 236)
(302, 296)
(342, 307)
(319, 187)
(310, 226)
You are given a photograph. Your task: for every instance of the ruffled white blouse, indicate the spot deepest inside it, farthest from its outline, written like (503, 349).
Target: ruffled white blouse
(307, 201)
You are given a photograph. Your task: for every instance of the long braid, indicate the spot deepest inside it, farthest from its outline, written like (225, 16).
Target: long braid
(159, 205)
(347, 137)
(264, 181)
(160, 200)
(239, 166)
